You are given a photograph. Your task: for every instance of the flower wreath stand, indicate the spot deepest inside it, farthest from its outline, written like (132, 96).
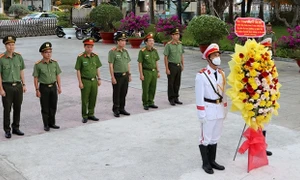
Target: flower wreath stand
(254, 92)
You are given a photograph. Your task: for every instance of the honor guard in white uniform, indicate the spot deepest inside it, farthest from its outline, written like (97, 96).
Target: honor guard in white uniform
(211, 107)
(267, 43)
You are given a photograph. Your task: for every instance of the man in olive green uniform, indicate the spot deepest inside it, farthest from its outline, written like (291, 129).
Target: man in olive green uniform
(149, 71)
(118, 59)
(88, 75)
(270, 34)
(12, 85)
(47, 83)
(174, 63)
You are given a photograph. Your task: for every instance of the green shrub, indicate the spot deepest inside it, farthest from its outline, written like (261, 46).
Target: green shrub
(65, 7)
(207, 29)
(63, 19)
(105, 15)
(3, 17)
(150, 28)
(68, 2)
(18, 10)
(188, 39)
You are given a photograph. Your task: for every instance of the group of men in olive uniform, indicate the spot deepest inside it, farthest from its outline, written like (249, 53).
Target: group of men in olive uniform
(47, 81)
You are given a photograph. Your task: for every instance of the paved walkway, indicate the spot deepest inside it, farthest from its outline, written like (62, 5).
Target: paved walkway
(152, 145)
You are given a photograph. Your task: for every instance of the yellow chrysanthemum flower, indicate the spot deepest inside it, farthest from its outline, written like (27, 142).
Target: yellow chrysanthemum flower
(249, 106)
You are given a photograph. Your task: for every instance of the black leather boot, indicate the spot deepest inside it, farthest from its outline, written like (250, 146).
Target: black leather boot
(269, 153)
(204, 153)
(212, 151)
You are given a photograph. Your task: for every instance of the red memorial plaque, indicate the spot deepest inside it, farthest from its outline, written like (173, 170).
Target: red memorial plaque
(249, 27)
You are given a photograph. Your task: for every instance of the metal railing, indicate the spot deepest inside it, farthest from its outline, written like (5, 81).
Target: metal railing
(26, 28)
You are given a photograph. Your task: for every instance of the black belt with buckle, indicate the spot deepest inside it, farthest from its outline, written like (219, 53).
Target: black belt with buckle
(11, 83)
(120, 74)
(49, 85)
(91, 79)
(148, 69)
(217, 101)
(175, 64)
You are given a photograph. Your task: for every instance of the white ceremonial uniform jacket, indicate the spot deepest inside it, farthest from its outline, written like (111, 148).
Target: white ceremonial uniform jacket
(203, 89)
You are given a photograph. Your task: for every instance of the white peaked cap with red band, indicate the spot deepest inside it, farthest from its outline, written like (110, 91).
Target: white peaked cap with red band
(267, 42)
(212, 48)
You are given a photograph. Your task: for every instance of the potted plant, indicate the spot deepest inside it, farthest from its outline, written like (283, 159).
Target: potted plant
(135, 25)
(207, 29)
(165, 26)
(104, 16)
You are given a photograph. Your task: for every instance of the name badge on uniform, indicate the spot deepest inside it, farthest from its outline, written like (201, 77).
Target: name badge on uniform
(85, 62)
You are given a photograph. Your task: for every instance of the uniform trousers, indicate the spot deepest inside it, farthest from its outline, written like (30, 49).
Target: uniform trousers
(149, 87)
(13, 98)
(48, 101)
(210, 131)
(120, 91)
(174, 79)
(89, 94)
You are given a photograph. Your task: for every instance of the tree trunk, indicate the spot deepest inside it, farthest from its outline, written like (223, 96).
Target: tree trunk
(261, 10)
(243, 13)
(249, 5)
(230, 14)
(198, 12)
(152, 20)
(220, 6)
(296, 10)
(277, 14)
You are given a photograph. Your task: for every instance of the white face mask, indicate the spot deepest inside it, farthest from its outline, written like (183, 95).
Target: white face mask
(216, 61)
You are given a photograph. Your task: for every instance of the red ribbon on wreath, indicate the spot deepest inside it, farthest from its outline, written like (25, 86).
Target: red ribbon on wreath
(256, 145)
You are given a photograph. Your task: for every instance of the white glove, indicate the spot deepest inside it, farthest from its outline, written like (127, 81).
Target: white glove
(203, 120)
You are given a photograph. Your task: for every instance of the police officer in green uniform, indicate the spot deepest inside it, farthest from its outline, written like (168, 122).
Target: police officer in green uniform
(270, 34)
(47, 84)
(174, 63)
(88, 75)
(149, 71)
(12, 85)
(118, 59)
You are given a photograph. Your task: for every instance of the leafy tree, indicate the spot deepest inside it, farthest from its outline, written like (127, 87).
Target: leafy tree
(295, 8)
(18, 10)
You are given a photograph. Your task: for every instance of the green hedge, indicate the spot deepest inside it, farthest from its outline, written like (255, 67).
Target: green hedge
(3, 17)
(63, 19)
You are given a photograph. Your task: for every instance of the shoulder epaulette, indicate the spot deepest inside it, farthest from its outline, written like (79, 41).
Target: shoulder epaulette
(124, 49)
(113, 49)
(53, 60)
(17, 53)
(272, 32)
(80, 54)
(202, 70)
(38, 61)
(143, 49)
(169, 42)
(179, 42)
(154, 48)
(1, 55)
(95, 54)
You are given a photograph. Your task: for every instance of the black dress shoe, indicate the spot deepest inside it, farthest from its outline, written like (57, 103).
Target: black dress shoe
(269, 153)
(17, 132)
(153, 106)
(93, 118)
(117, 114)
(146, 107)
(54, 126)
(172, 102)
(84, 120)
(46, 128)
(178, 102)
(7, 135)
(124, 112)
